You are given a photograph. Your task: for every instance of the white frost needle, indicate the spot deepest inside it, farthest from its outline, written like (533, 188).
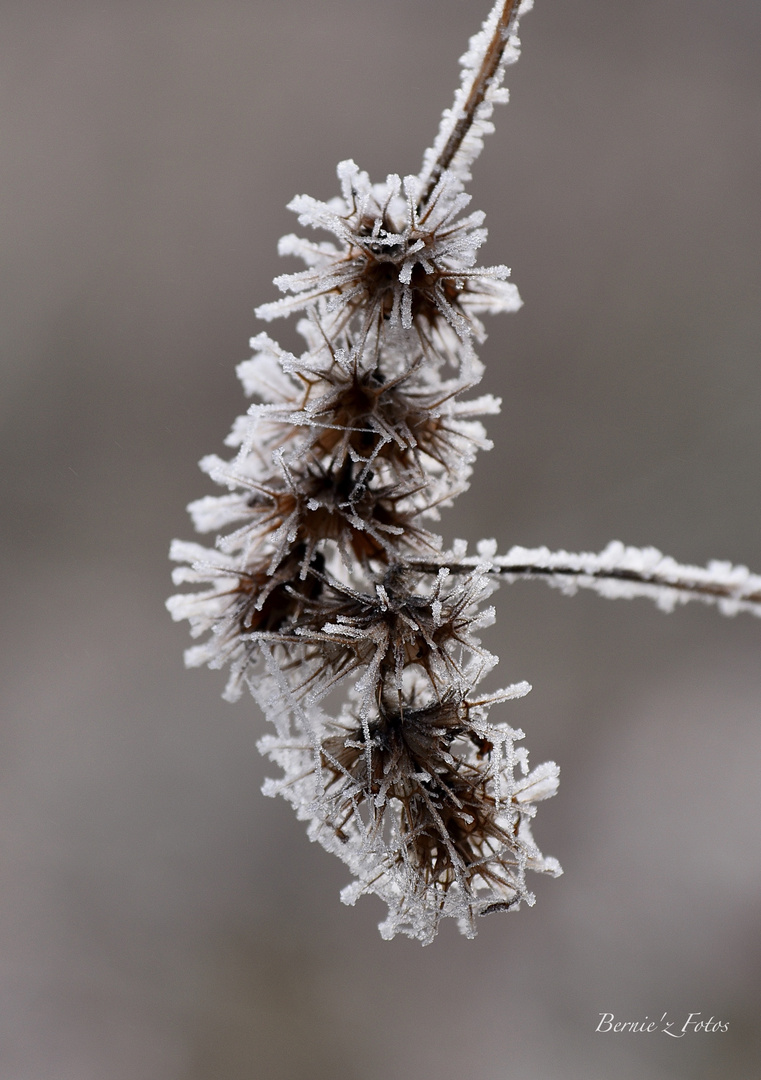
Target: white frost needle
(331, 578)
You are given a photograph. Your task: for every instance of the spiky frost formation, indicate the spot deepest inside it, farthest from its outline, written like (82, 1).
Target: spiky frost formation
(340, 466)
(398, 262)
(424, 805)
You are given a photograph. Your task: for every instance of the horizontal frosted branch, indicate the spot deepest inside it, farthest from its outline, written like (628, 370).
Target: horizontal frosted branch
(620, 572)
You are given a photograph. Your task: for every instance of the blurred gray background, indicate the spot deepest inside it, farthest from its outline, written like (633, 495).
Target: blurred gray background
(159, 918)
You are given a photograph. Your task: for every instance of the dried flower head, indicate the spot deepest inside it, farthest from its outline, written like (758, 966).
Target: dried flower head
(401, 260)
(423, 803)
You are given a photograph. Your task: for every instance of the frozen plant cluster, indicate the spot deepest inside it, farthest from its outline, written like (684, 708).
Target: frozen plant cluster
(328, 595)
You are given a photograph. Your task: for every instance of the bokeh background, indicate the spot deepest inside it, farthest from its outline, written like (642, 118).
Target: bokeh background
(159, 918)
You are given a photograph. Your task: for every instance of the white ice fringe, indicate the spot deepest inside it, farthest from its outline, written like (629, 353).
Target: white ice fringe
(472, 63)
(622, 572)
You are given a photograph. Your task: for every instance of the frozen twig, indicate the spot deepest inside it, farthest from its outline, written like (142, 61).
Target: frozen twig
(620, 572)
(460, 136)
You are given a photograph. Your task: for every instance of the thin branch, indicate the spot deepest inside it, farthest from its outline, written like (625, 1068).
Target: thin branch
(620, 572)
(476, 95)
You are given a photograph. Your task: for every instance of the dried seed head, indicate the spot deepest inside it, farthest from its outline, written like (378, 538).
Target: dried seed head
(402, 425)
(426, 796)
(396, 263)
(400, 628)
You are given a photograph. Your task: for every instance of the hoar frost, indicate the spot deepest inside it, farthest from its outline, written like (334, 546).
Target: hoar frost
(326, 575)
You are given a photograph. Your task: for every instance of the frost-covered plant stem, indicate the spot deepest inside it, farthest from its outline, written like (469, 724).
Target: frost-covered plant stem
(325, 575)
(457, 123)
(620, 572)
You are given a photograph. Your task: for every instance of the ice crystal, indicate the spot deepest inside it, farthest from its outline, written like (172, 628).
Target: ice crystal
(326, 576)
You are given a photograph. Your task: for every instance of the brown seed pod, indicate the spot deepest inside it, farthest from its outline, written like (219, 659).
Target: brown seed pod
(414, 771)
